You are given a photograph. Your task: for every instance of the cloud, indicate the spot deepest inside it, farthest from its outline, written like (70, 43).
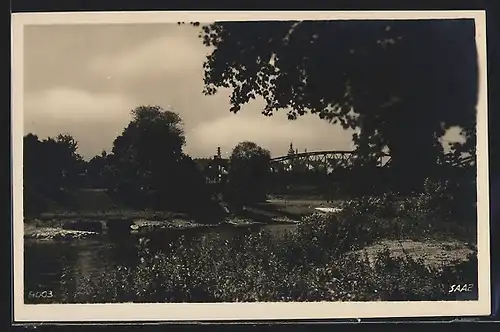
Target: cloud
(273, 133)
(84, 80)
(178, 52)
(166, 70)
(61, 55)
(67, 104)
(93, 119)
(86, 86)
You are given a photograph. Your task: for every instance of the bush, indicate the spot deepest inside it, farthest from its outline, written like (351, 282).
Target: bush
(239, 276)
(321, 261)
(320, 237)
(258, 268)
(437, 212)
(34, 202)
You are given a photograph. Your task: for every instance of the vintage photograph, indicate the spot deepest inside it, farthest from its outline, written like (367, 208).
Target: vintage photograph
(288, 160)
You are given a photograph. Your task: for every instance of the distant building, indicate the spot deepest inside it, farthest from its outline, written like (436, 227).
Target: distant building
(216, 168)
(291, 151)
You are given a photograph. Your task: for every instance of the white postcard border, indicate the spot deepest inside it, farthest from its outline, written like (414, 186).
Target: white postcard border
(241, 311)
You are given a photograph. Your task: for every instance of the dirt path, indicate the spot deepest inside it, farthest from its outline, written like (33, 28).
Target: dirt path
(435, 253)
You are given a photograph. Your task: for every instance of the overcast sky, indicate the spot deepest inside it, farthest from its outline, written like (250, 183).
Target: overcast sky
(85, 79)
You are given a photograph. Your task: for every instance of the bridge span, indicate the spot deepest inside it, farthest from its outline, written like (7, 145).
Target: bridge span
(329, 159)
(313, 161)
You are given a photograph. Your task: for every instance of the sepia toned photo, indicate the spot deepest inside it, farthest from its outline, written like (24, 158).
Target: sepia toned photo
(215, 166)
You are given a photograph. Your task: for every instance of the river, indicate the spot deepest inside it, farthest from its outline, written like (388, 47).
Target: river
(46, 261)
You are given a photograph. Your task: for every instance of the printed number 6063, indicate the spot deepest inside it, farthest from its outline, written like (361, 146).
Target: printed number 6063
(40, 295)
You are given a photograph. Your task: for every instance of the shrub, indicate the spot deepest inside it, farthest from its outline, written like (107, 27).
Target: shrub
(321, 261)
(256, 268)
(320, 237)
(435, 212)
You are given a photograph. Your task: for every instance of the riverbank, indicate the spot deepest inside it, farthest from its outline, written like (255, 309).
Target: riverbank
(257, 268)
(70, 225)
(68, 229)
(403, 253)
(56, 234)
(434, 254)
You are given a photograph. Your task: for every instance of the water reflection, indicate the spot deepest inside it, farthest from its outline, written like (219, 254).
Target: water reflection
(46, 262)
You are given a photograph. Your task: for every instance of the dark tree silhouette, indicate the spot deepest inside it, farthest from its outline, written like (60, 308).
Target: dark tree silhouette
(52, 167)
(97, 171)
(401, 83)
(148, 168)
(71, 164)
(249, 167)
(145, 154)
(193, 195)
(35, 199)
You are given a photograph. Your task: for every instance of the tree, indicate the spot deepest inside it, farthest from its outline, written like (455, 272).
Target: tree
(192, 194)
(148, 166)
(400, 83)
(97, 171)
(32, 148)
(71, 164)
(249, 167)
(53, 163)
(35, 200)
(52, 167)
(145, 154)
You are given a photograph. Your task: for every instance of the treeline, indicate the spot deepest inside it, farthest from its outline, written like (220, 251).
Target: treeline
(52, 167)
(364, 175)
(146, 168)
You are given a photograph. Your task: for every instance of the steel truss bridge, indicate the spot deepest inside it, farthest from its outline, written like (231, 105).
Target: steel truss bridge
(314, 161)
(320, 160)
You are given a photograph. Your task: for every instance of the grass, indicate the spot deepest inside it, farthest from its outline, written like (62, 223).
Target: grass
(435, 253)
(354, 255)
(254, 269)
(98, 204)
(292, 208)
(93, 212)
(95, 208)
(94, 200)
(112, 215)
(375, 249)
